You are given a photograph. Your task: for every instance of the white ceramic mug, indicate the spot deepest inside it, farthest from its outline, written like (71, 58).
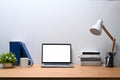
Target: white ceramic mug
(24, 62)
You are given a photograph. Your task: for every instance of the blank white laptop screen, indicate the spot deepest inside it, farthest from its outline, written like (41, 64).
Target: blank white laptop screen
(56, 53)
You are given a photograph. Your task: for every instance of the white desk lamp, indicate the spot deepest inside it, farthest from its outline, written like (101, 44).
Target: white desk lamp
(97, 29)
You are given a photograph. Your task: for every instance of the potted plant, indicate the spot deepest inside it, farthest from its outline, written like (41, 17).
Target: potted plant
(8, 59)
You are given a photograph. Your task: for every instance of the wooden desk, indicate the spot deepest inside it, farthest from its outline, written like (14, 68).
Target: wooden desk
(78, 72)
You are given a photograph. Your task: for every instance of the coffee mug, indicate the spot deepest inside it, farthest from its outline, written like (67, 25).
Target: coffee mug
(24, 62)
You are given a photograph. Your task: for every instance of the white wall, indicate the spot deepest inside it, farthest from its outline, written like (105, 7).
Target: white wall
(61, 21)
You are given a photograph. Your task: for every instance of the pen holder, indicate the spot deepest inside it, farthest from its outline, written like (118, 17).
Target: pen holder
(109, 59)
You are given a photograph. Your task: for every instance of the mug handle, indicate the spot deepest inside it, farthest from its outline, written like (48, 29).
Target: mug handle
(30, 62)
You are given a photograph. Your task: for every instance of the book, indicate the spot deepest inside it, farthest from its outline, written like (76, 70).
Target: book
(90, 58)
(25, 52)
(15, 48)
(90, 63)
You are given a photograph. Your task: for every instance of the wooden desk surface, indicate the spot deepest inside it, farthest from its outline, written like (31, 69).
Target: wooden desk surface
(77, 72)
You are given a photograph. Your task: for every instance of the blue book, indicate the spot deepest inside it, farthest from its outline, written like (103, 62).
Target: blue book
(25, 52)
(15, 48)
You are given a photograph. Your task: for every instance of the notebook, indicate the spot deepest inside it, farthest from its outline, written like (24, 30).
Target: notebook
(56, 55)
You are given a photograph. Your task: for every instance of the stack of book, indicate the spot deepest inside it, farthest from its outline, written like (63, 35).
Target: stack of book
(90, 59)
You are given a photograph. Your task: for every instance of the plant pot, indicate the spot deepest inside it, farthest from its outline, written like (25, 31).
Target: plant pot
(7, 65)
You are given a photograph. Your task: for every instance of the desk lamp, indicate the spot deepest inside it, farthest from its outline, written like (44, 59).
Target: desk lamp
(96, 30)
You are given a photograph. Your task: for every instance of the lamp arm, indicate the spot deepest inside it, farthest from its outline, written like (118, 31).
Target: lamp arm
(110, 36)
(113, 45)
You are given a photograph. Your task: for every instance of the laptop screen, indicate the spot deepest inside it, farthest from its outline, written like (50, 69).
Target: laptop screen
(56, 53)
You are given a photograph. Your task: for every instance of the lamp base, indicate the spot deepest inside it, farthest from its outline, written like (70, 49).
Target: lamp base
(109, 59)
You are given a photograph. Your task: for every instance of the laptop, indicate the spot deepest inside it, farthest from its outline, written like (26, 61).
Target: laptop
(56, 55)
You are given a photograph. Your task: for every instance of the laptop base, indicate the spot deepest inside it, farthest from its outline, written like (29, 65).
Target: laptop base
(56, 66)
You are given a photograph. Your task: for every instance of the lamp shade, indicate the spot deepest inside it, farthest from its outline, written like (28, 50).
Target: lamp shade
(97, 28)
